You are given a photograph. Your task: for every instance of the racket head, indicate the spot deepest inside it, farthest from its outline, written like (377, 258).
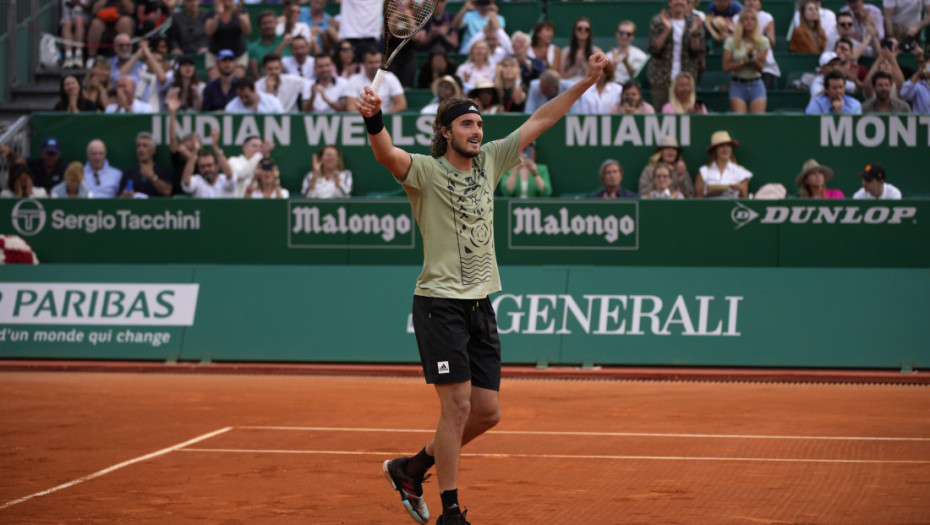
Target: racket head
(403, 18)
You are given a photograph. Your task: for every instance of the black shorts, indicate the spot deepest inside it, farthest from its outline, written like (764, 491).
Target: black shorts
(458, 341)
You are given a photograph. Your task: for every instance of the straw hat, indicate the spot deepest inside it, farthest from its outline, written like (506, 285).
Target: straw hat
(485, 85)
(721, 137)
(449, 79)
(667, 141)
(810, 166)
(717, 27)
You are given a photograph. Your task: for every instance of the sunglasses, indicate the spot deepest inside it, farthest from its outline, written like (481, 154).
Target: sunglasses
(584, 29)
(624, 33)
(845, 24)
(345, 49)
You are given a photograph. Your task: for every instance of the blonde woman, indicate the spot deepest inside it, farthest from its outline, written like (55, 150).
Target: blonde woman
(744, 55)
(97, 84)
(329, 179)
(266, 183)
(72, 187)
(478, 67)
(722, 177)
(682, 97)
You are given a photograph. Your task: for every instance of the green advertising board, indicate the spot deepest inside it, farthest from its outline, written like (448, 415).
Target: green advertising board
(760, 317)
(773, 147)
(750, 233)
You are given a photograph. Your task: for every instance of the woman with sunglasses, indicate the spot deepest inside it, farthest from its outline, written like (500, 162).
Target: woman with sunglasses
(344, 60)
(581, 47)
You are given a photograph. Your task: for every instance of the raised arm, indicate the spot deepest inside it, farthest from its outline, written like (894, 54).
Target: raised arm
(550, 112)
(396, 160)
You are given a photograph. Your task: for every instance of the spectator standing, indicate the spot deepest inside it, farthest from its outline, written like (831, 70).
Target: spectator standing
(188, 32)
(214, 177)
(289, 23)
(73, 28)
(527, 180)
(221, 90)
(628, 60)
(902, 18)
(883, 99)
(267, 182)
(580, 48)
(744, 55)
(813, 179)
(682, 96)
(676, 44)
(328, 93)
(632, 102)
(227, 29)
(290, 90)
(124, 61)
(71, 97)
(835, 99)
(329, 178)
(300, 63)
(360, 23)
(73, 186)
(318, 20)
(917, 89)
(147, 177)
(391, 92)
(668, 152)
(868, 24)
(473, 16)
(611, 176)
(102, 179)
(766, 24)
(248, 100)
(440, 31)
(541, 45)
(809, 36)
(722, 177)
(499, 43)
(719, 19)
(874, 185)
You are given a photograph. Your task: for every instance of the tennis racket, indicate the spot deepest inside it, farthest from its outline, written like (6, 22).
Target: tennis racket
(402, 20)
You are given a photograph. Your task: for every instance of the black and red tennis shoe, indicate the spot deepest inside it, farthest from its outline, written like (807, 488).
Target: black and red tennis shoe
(411, 489)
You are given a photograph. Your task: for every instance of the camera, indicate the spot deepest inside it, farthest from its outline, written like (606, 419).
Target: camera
(627, 101)
(908, 46)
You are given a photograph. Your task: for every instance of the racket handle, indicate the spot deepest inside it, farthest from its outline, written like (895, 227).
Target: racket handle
(379, 79)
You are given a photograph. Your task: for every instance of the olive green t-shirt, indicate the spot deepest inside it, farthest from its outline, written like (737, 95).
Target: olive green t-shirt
(455, 213)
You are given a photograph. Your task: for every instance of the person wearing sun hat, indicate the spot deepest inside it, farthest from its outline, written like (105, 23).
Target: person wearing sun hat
(446, 86)
(813, 181)
(667, 152)
(486, 95)
(722, 177)
(874, 185)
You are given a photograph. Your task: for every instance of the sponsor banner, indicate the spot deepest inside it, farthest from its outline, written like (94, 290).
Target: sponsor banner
(29, 217)
(887, 212)
(773, 147)
(98, 304)
(572, 225)
(350, 224)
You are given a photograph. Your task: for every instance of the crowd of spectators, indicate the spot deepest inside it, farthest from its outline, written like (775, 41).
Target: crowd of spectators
(305, 60)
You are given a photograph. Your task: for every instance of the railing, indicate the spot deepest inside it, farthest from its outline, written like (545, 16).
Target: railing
(22, 23)
(16, 137)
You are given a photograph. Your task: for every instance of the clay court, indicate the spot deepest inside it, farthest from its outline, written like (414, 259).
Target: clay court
(89, 447)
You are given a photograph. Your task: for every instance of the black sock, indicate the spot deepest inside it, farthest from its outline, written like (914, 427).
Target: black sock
(418, 465)
(450, 502)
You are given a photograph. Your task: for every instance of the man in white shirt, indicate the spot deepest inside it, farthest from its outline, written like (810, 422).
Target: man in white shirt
(391, 92)
(214, 177)
(874, 185)
(126, 101)
(328, 93)
(99, 177)
(359, 21)
(288, 22)
(290, 90)
(243, 166)
(248, 100)
(828, 62)
(300, 62)
(902, 18)
(499, 43)
(627, 59)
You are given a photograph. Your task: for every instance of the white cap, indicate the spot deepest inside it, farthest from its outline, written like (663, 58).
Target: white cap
(826, 57)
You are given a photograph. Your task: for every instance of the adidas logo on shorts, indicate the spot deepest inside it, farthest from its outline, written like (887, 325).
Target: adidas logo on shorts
(443, 367)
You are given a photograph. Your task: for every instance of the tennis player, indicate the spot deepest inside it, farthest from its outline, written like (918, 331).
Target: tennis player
(451, 192)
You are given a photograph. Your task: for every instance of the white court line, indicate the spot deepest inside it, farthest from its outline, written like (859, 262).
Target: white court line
(561, 456)
(594, 434)
(117, 467)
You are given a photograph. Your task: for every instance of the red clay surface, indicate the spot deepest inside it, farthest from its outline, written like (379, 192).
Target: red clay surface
(307, 449)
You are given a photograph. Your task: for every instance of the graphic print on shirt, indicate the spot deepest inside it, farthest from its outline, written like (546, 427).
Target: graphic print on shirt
(472, 199)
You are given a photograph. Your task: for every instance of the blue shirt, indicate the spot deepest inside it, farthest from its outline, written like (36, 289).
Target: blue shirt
(474, 24)
(535, 97)
(324, 24)
(734, 9)
(622, 193)
(918, 95)
(103, 183)
(213, 96)
(821, 105)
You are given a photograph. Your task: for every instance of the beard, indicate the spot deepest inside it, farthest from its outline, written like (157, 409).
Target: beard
(460, 148)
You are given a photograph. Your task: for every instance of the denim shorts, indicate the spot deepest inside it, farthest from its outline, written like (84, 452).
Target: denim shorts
(748, 91)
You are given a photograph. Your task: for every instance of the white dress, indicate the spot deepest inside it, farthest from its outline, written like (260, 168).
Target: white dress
(732, 174)
(326, 188)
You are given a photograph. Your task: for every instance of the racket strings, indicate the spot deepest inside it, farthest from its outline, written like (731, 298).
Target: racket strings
(405, 17)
